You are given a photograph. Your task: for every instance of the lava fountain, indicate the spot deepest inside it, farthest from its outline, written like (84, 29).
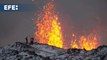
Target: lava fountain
(88, 42)
(49, 31)
(48, 27)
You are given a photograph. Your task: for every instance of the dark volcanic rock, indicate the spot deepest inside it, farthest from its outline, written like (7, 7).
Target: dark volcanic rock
(22, 51)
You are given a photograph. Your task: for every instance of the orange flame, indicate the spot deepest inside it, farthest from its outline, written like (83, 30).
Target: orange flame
(49, 30)
(85, 42)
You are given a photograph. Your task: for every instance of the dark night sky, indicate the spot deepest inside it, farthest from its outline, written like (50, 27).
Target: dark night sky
(79, 15)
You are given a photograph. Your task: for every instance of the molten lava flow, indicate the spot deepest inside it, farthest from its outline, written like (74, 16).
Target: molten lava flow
(48, 27)
(87, 42)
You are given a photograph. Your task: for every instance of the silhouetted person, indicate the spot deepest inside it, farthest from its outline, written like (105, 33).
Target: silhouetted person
(31, 40)
(26, 40)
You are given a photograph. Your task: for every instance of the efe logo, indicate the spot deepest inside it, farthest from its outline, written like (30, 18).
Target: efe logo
(10, 7)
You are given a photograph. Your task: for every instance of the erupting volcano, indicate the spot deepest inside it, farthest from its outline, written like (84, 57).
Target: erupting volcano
(49, 31)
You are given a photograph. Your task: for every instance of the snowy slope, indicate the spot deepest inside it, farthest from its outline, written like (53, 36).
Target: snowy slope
(22, 51)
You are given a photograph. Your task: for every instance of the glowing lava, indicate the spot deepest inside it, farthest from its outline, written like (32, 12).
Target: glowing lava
(49, 30)
(87, 42)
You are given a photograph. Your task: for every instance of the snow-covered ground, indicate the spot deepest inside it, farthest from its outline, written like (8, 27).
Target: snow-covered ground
(22, 51)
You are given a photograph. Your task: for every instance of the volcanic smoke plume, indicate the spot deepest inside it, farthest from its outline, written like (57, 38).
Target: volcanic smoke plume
(49, 31)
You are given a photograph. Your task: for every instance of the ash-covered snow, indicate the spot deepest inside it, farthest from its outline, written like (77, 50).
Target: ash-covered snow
(23, 51)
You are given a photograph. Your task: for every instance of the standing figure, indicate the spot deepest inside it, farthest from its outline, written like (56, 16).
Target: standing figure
(31, 40)
(26, 40)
